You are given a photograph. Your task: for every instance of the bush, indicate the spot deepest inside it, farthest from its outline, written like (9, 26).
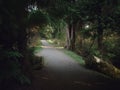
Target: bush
(112, 47)
(10, 68)
(35, 61)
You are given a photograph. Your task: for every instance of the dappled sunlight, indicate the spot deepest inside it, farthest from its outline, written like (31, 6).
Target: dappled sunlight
(52, 47)
(47, 47)
(50, 41)
(60, 47)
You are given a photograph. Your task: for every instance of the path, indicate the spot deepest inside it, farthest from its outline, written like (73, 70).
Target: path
(61, 72)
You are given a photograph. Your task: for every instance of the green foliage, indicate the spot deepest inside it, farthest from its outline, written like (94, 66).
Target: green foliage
(10, 67)
(38, 17)
(59, 27)
(14, 54)
(34, 50)
(22, 79)
(12, 40)
(112, 48)
(46, 32)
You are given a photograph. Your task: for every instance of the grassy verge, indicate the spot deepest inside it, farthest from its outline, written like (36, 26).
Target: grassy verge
(75, 56)
(37, 49)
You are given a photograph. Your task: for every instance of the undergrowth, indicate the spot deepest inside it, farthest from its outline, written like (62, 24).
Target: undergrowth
(75, 56)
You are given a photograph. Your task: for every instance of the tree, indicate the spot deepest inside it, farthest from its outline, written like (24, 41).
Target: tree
(13, 39)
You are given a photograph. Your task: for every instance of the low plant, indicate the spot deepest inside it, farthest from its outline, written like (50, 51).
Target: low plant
(10, 68)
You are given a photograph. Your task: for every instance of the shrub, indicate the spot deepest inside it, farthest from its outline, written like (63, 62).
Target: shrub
(10, 68)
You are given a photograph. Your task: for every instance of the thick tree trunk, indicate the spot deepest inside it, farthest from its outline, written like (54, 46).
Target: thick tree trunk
(22, 42)
(100, 36)
(67, 38)
(73, 38)
(22, 33)
(99, 28)
(70, 37)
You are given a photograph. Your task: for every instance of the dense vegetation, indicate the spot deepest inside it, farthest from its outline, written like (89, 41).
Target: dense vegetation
(90, 27)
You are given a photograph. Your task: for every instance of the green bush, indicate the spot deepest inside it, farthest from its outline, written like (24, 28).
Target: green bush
(112, 48)
(10, 68)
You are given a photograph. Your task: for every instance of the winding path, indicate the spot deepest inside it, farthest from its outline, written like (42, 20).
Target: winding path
(61, 72)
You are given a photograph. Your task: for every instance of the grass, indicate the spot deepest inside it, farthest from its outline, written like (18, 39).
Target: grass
(37, 49)
(75, 57)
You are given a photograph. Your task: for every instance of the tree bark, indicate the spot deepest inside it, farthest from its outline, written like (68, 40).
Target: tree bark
(70, 45)
(99, 28)
(73, 38)
(100, 36)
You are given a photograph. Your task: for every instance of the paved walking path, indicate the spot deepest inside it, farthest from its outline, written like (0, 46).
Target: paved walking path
(61, 72)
